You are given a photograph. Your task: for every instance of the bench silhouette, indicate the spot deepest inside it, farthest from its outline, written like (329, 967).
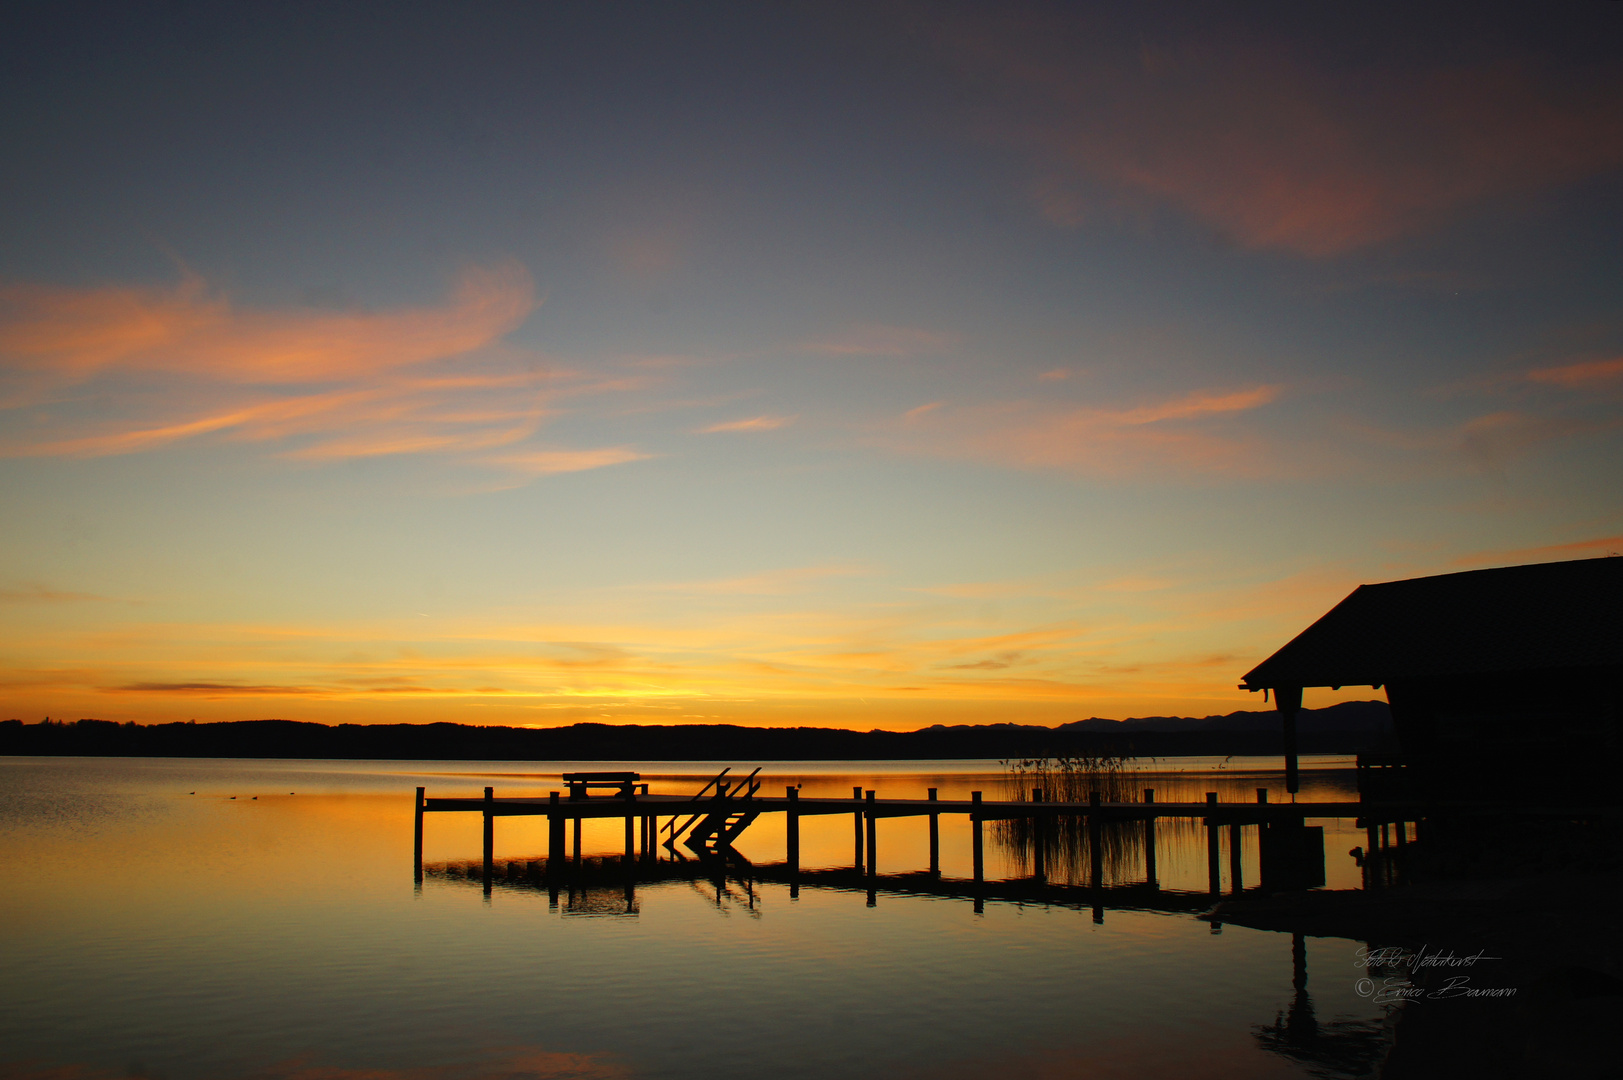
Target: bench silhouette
(580, 783)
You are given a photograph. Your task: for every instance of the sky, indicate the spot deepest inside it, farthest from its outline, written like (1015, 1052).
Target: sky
(874, 365)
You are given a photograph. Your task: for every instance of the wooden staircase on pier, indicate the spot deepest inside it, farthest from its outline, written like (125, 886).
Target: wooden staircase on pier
(722, 811)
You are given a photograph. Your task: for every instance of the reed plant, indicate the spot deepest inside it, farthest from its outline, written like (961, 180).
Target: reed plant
(1066, 848)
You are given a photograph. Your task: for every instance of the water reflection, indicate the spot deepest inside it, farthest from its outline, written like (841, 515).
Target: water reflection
(1333, 1049)
(209, 939)
(608, 885)
(527, 1063)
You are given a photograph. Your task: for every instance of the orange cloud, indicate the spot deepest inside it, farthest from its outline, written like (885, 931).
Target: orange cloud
(74, 333)
(548, 462)
(756, 423)
(1580, 376)
(1577, 549)
(1493, 440)
(41, 594)
(180, 364)
(1158, 437)
(1272, 146)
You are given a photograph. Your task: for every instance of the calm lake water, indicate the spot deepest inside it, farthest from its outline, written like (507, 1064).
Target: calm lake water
(228, 919)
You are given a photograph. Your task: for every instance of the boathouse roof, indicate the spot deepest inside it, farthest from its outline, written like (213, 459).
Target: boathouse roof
(1544, 616)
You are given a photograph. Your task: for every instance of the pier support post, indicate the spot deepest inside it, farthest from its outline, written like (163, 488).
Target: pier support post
(1039, 870)
(975, 838)
(856, 818)
(1234, 859)
(1149, 842)
(490, 837)
(1372, 837)
(935, 839)
(577, 842)
(870, 822)
(1096, 847)
(873, 846)
(1214, 866)
(792, 839)
(555, 836)
(629, 793)
(417, 847)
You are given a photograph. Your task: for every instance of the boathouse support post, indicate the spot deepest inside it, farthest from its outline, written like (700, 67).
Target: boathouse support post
(935, 839)
(490, 836)
(1149, 840)
(417, 846)
(1214, 867)
(1288, 700)
(975, 837)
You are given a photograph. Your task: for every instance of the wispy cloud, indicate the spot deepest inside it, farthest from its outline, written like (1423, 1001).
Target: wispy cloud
(754, 423)
(72, 334)
(1272, 146)
(547, 462)
(1583, 375)
(1576, 549)
(213, 689)
(1167, 436)
(1494, 440)
(35, 594)
(108, 371)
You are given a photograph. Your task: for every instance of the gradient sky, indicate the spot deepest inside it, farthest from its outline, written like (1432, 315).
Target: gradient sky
(875, 365)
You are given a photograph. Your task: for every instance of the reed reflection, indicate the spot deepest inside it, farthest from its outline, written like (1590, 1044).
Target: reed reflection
(1077, 849)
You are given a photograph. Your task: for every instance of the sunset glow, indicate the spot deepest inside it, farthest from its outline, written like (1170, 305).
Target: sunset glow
(928, 365)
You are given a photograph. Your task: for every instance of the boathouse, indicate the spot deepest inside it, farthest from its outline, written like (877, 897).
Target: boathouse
(1504, 683)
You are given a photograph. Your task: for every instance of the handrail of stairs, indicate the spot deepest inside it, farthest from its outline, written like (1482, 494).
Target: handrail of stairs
(675, 830)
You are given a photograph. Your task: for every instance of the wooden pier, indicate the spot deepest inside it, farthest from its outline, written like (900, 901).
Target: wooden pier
(708, 823)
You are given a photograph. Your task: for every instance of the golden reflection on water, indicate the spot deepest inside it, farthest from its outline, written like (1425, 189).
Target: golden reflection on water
(148, 931)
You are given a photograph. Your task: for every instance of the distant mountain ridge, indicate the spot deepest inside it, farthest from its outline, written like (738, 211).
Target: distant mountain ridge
(1345, 728)
(1374, 716)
